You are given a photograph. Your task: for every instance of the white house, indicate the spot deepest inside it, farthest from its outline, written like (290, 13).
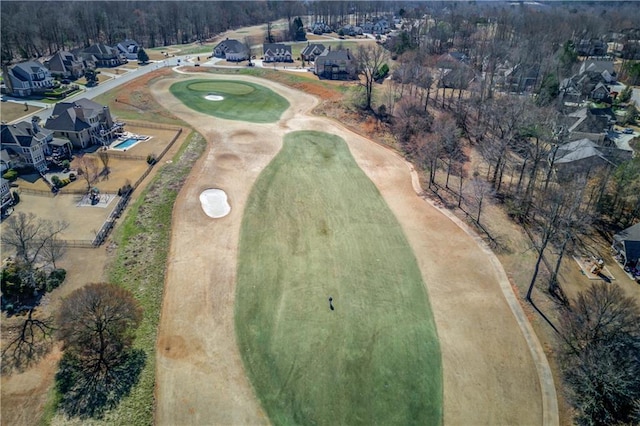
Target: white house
(231, 50)
(277, 52)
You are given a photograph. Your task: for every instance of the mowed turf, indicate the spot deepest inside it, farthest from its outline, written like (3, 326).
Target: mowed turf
(316, 227)
(242, 101)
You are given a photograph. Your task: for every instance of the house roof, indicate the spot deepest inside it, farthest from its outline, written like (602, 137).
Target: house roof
(128, 42)
(597, 65)
(340, 55)
(101, 51)
(23, 134)
(632, 233)
(232, 46)
(630, 238)
(61, 60)
(29, 67)
(313, 47)
(586, 148)
(73, 116)
(275, 47)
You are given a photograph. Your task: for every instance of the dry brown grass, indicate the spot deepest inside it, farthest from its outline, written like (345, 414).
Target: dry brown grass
(12, 111)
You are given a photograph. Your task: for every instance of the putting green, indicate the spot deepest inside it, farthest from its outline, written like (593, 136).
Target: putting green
(316, 227)
(241, 100)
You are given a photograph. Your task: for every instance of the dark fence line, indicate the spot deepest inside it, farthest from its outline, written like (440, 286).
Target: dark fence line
(125, 156)
(78, 243)
(39, 192)
(108, 225)
(135, 123)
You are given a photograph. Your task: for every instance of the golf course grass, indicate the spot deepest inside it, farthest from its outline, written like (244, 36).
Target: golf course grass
(316, 227)
(241, 100)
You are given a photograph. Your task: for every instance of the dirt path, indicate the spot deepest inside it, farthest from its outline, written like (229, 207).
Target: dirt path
(489, 374)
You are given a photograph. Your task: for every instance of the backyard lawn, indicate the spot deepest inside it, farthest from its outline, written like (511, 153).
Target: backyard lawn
(314, 228)
(232, 100)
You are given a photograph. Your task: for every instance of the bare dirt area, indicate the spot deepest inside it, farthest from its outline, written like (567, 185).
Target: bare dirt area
(25, 394)
(489, 374)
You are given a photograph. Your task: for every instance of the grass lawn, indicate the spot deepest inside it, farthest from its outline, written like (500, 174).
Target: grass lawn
(242, 101)
(316, 227)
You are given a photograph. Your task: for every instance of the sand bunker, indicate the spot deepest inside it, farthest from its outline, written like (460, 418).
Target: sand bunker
(212, 97)
(214, 203)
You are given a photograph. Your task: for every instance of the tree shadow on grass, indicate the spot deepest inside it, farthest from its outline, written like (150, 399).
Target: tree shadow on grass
(85, 393)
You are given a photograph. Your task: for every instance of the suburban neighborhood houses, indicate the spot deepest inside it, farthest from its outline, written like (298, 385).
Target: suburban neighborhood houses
(327, 212)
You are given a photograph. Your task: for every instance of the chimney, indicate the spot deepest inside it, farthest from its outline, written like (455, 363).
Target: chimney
(35, 125)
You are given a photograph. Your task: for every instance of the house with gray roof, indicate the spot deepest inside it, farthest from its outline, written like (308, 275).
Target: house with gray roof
(66, 65)
(100, 55)
(627, 245)
(27, 144)
(83, 122)
(311, 51)
(599, 65)
(28, 78)
(232, 50)
(277, 52)
(584, 155)
(129, 49)
(336, 65)
(588, 123)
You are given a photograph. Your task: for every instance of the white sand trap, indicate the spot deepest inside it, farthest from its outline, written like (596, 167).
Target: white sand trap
(214, 203)
(211, 97)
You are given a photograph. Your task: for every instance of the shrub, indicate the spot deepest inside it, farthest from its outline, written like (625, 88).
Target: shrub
(66, 164)
(10, 175)
(151, 159)
(55, 180)
(56, 278)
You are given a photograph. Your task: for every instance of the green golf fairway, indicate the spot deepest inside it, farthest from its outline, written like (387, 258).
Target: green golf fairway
(241, 101)
(316, 227)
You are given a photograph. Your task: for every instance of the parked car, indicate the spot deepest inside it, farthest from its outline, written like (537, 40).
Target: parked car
(628, 131)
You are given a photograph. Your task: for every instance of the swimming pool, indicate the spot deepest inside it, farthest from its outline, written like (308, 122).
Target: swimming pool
(126, 144)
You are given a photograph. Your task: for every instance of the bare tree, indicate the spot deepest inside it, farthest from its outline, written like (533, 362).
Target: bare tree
(104, 157)
(600, 355)
(53, 250)
(369, 60)
(88, 169)
(557, 207)
(29, 236)
(480, 189)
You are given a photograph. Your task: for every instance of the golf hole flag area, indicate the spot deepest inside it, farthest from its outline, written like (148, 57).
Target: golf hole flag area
(332, 316)
(231, 100)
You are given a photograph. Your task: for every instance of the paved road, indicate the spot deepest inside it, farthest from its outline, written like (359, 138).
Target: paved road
(92, 92)
(118, 79)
